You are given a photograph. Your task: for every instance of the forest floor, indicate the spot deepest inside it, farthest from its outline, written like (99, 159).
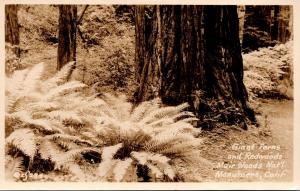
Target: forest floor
(275, 133)
(224, 149)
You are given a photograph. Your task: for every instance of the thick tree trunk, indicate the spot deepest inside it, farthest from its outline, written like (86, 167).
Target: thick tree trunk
(193, 54)
(67, 35)
(12, 27)
(223, 57)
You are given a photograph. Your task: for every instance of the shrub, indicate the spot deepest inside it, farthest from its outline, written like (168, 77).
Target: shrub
(56, 125)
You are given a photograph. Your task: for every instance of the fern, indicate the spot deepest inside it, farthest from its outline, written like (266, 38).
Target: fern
(68, 138)
(163, 112)
(155, 162)
(156, 131)
(70, 128)
(38, 109)
(108, 152)
(63, 89)
(121, 168)
(266, 68)
(106, 166)
(65, 115)
(61, 77)
(23, 140)
(33, 78)
(14, 168)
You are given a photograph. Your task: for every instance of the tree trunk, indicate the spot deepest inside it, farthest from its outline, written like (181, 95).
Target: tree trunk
(241, 15)
(67, 35)
(192, 55)
(12, 27)
(275, 23)
(257, 27)
(266, 26)
(284, 17)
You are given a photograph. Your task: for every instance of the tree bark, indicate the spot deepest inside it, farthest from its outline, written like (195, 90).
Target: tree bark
(192, 55)
(12, 34)
(275, 23)
(147, 66)
(284, 18)
(67, 35)
(241, 15)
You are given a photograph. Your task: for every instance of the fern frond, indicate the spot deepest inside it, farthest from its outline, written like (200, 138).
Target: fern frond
(75, 169)
(147, 106)
(183, 114)
(187, 120)
(60, 77)
(63, 89)
(65, 115)
(146, 158)
(23, 140)
(14, 84)
(136, 138)
(69, 138)
(13, 165)
(158, 123)
(110, 151)
(121, 168)
(163, 112)
(182, 123)
(19, 102)
(42, 124)
(67, 145)
(43, 106)
(48, 150)
(105, 168)
(95, 102)
(33, 77)
(168, 170)
(155, 171)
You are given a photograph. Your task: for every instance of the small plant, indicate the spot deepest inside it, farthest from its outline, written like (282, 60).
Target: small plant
(119, 68)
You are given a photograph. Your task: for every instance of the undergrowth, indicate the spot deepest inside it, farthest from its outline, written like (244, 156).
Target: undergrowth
(268, 72)
(59, 125)
(12, 61)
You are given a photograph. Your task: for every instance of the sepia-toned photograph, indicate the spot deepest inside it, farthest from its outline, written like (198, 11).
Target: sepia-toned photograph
(149, 93)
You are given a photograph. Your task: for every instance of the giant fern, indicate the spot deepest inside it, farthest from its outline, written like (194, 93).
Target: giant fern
(109, 136)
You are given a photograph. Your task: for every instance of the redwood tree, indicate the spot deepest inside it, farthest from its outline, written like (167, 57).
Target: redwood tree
(67, 35)
(12, 35)
(266, 26)
(191, 54)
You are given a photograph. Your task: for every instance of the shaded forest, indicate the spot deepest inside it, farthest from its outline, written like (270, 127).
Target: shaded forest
(143, 93)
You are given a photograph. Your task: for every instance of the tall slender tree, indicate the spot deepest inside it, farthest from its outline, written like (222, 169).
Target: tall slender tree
(284, 18)
(67, 35)
(192, 54)
(241, 15)
(12, 34)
